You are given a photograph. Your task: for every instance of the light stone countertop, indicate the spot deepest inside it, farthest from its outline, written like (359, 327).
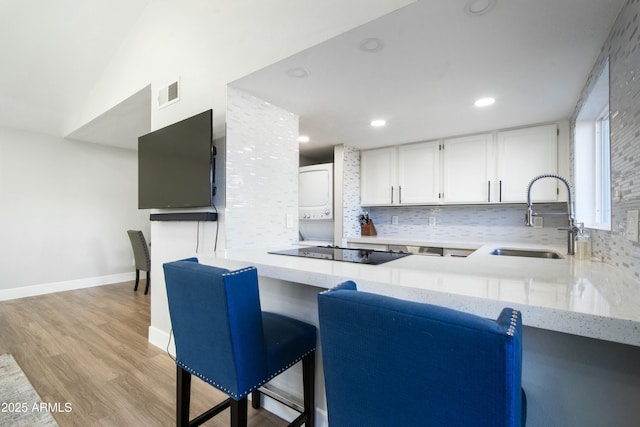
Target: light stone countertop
(581, 297)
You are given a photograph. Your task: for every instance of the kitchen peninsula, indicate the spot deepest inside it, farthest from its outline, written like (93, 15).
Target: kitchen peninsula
(581, 317)
(580, 297)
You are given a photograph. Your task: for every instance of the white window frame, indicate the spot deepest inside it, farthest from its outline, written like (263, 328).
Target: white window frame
(603, 170)
(592, 159)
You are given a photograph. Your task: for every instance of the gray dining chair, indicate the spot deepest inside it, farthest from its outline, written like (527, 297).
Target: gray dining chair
(141, 255)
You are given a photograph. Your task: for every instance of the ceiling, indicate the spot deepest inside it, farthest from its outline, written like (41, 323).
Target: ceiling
(532, 56)
(435, 60)
(53, 53)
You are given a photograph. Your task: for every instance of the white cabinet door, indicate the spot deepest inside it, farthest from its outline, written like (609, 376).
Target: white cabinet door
(524, 154)
(378, 177)
(419, 173)
(468, 169)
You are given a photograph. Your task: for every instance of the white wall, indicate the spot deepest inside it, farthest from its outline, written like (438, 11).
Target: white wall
(65, 207)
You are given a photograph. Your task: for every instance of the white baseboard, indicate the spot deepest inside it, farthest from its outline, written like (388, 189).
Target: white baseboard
(49, 288)
(160, 339)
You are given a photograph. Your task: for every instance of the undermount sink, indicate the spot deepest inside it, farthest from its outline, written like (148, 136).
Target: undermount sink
(527, 253)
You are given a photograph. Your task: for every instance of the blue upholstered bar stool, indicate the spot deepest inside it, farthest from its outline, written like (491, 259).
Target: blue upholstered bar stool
(390, 362)
(223, 337)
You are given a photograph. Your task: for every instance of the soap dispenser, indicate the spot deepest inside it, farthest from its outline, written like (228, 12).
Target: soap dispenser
(583, 244)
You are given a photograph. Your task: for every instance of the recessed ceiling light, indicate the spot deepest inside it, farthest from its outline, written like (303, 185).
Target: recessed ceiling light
(378, 123)
(484, 102)
(303, 138)
(297, 73)
(371, 45)
(478, 7)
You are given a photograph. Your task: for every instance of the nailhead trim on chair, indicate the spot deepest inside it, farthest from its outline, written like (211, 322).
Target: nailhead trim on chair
(242, 270)
(241, 395)
(514, 321)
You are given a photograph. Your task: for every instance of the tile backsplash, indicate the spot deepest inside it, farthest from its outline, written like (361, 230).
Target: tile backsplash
(473, 223)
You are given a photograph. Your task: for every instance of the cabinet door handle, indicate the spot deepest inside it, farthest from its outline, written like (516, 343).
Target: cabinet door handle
(392, 194)
(400, 194)
(500, 190)
(489, 191)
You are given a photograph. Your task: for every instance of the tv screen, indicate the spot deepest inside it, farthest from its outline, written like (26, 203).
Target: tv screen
(176, 165)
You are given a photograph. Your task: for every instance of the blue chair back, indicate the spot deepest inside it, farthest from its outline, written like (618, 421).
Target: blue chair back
(217, 324)
(390, 362)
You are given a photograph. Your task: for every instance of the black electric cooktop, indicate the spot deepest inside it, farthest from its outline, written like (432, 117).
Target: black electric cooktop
(335, 253)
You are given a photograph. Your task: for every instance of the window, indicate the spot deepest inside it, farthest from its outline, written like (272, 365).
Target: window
(592, 157)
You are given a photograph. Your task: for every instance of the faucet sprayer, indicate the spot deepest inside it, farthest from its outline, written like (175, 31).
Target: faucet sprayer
(573, 226)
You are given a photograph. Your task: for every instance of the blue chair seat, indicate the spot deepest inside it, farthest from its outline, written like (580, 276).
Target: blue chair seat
(223, 337)
(391, 362)
(284, 336)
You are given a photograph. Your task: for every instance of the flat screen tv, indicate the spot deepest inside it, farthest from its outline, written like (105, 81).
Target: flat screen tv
(176, 165)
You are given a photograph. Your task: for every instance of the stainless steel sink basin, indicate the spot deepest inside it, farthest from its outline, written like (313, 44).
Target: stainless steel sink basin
(527, 253)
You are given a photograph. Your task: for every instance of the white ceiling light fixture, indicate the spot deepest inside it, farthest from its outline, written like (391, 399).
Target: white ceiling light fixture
(371, 45)
(378, 123)
(303, 138)
(484, 102)
(478, 7)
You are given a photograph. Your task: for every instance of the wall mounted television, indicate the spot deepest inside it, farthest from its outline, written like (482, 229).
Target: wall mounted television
(176, 165)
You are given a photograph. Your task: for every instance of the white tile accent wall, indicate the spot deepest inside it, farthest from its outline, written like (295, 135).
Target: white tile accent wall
(261, 173)
(623, 50)
(351, 192)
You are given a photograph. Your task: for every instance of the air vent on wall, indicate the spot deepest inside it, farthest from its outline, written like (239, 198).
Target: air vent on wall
(169, 94)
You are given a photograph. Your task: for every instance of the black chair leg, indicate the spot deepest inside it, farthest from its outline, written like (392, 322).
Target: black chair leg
(146, 288)
(135, 288)
(309, 387)
(255, 399)
(183, 396)
(239, 413)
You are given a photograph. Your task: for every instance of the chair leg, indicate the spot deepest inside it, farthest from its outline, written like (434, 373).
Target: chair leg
(255, 399)
(146, 288)
(309, 387)
(135, 288)
(239, 413)
(183, 396)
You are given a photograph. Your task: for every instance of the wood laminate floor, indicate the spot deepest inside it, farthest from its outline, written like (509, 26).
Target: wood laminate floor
(88, 349)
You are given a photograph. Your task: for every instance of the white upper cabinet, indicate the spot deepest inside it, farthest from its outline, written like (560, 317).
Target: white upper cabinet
(523, 154)
(378, 177)
(419, 173)
(468, 169)
(493, 167)
(408, 174)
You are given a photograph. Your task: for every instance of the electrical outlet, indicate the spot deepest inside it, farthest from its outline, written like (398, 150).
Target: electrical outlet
(394, 220)
(432, 221)
(288, 221)
(538, 222)
(632, 225)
